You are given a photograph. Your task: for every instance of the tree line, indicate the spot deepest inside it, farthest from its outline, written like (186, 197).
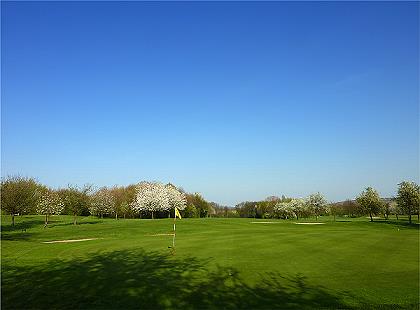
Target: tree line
(369, 202)
(24, 195)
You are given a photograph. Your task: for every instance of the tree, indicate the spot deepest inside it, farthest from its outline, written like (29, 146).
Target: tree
(190, 211)
(386, 209)
(76, 201)
(49, 203)
(351, 207)
(298, 206)
(200, 203)
(334, 209)
(151, 197)
(129, 195)
(370, 202)
(102, 203)
(408, 198)
(122, 198)
(125, 209)
(284, 210)
(247, 209)
(18, 195)
(394, 209)
(317, 204)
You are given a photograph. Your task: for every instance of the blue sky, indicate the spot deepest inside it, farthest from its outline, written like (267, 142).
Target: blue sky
(235, 100)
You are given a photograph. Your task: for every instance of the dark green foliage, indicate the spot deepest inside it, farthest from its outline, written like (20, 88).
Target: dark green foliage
(247, 209)
(19, 195)
(190, 211)
(201, 205)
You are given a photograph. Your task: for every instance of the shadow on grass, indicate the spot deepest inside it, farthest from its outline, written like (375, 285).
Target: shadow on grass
(22, 226)
(28, 223)
(141, 280)
(399, 223)
(18, 236)
(58, 223)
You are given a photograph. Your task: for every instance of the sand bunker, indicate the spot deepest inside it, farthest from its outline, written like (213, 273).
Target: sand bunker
(68, 241)
(310, 223)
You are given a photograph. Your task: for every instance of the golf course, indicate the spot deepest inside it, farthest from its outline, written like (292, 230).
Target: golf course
(218, 263)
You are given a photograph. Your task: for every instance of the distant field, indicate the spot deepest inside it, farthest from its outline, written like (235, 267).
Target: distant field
(219, 263)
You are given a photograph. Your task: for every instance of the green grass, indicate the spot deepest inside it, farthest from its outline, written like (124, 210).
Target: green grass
(219, 263)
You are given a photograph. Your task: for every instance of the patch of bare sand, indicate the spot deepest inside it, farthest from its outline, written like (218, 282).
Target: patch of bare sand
(70, 240)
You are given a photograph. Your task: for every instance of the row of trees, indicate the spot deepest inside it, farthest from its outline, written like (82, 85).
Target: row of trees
(314, 204)
(367, 203)
(22, 195)
(407, 201)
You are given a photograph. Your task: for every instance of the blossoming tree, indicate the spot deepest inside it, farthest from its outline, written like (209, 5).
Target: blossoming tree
(298, 205)
(408, 198)
(284, 210)
(49, 203)
(317, 204)
(151, 197)
(102, 203)
(370, 202)
(155, 197)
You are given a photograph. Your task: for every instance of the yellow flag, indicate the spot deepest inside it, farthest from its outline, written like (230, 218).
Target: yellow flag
(177, 214)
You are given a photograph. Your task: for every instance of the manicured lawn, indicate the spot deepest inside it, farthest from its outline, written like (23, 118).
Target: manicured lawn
(219, 263)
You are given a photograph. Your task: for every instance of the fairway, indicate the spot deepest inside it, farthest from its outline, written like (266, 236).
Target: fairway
(219, 263)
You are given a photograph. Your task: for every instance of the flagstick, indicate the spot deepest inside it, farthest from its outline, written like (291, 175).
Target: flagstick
(173, 238)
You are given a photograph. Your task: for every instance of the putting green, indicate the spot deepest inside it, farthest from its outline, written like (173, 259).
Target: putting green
(219, 263)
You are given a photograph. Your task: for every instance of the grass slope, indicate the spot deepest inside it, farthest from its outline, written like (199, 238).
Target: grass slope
(219, 263)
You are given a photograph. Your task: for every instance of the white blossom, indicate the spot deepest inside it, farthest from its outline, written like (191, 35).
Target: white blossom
(151, 196)
(176, 198)
(102, 203)
(154, 197)
(317, 203)
(284, 210)
(49, 203)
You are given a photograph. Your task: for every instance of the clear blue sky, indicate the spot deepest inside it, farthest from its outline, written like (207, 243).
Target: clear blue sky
(237, 101)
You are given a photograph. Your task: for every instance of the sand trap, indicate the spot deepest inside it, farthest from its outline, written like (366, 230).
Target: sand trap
(68, 241)
(264, 222)
(160, 235)
(310, 223)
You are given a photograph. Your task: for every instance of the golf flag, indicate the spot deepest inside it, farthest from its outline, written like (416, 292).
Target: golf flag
(177, 214)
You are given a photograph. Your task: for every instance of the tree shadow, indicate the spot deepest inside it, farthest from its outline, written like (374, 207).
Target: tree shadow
(22, 226)
(72, 224)
(20, 236)
(398, 223)
(150, 280)
(20, 229)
